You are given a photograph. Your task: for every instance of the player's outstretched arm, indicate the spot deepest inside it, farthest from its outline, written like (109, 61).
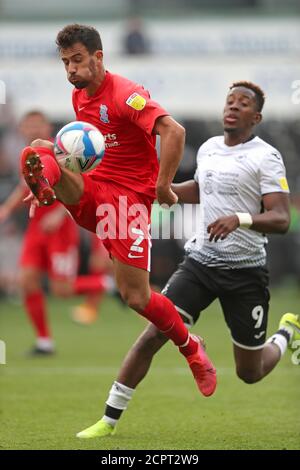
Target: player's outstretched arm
(187, 192)
(275, 219)
(172, 138)
(12, 202)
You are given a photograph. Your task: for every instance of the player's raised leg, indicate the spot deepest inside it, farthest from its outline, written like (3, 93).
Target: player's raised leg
(135, 289)
(46, 179)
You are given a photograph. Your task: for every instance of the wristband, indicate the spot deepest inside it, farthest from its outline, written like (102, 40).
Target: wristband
(245, 219)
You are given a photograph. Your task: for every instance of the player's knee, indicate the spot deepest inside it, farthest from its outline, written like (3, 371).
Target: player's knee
(29, 283)
(61, 289)
(249, 376)
(135, 299)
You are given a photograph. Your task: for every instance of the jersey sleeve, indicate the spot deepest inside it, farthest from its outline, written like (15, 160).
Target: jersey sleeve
(140, 109)
(198, 160)
(272, 174)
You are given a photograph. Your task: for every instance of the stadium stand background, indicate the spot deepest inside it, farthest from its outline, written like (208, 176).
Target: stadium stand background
(192, 51)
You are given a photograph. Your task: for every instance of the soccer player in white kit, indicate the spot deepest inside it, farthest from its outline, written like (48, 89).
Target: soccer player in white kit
(241, 183)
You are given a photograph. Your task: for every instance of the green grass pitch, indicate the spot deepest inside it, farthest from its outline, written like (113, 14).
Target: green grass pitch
(45, 401)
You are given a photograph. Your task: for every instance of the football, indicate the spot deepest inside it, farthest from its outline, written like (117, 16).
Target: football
(79, 147)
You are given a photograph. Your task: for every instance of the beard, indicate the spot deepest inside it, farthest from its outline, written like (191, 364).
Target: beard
(230, 129)
(80, 85)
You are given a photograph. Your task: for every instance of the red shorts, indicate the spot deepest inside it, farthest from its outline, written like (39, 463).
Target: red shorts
(55, 253)
(120, 217)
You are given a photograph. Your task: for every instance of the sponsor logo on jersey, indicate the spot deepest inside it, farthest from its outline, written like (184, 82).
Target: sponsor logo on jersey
(136, 102)
(111, 140)
(284, 184)
(103, 113)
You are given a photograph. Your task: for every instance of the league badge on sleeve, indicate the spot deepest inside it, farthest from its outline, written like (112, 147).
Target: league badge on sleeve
(284, 184)
(136, 102)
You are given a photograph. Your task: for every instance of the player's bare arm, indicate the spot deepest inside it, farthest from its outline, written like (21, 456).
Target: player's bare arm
(275, 219)
(187, 192)
(12, 202)
(172, 137)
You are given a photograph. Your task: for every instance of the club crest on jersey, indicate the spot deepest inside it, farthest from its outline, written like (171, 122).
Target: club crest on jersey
(103, 114)
(136, 102)
(208, 182)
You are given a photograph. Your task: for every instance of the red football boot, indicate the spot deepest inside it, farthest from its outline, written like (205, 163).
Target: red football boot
(203, 370)
(32, 170)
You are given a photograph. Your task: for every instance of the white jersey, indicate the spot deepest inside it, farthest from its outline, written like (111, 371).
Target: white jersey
(234, 179)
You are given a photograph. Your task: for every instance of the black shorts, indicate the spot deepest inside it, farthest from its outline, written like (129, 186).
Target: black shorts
(243, 295)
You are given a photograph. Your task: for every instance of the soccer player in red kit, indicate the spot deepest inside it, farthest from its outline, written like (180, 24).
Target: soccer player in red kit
(50, 245)
(129, 172)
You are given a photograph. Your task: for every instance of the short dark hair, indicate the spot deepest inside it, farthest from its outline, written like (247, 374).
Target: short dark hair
(34, 112)
(73, 33)
(259, 94)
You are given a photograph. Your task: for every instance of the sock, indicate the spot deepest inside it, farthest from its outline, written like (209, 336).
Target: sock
(51, 169)
(281, 338)
(163, 314)
(90, 283)
(45, 343)
(36, 310)
(118, 399)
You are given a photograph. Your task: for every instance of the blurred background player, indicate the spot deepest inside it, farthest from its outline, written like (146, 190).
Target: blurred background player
(50, 245)
(99, 263)
(136, 41)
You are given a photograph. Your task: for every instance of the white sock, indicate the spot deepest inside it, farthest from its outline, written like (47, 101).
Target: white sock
(45, 343)
(109, 420)
(280, 341)
(119, 397)
(187, 341)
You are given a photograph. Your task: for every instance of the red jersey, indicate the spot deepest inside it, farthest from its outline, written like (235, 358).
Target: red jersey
(125, 114)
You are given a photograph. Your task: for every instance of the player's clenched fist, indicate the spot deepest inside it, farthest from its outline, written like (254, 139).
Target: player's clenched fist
(165, 195)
